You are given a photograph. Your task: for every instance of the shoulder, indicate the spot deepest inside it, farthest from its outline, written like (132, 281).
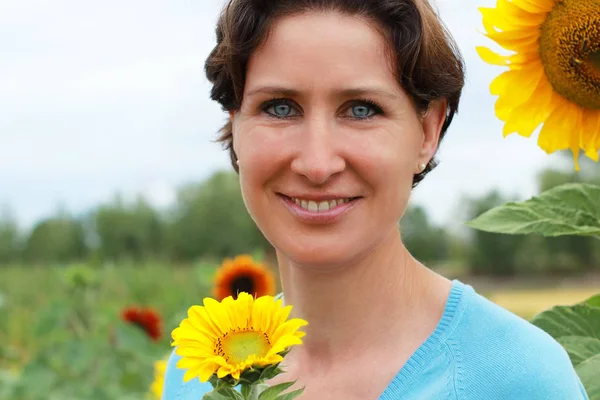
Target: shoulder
(499, 353)
(174, 386)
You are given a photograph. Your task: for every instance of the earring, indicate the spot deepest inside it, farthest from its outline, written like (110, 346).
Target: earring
(422, 167)
(237, 162)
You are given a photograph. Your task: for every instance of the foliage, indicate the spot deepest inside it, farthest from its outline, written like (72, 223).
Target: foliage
(426, 242)
(9, 236)
(569, 209)
(62, 335)
(209, 221)
(128, 232)
(56, 240)
(44, 306)
(490, 253)
(577, 329)
(211, 218)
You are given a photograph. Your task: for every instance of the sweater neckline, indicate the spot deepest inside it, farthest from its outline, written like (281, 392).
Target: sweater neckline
(454, 308)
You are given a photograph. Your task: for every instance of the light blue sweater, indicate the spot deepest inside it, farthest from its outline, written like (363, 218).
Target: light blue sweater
(479, 351)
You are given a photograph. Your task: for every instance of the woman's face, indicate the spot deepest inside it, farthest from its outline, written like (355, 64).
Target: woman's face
(326, 139)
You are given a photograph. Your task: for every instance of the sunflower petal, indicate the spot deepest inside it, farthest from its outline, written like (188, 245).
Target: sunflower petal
(535, 6)
(558, 131)
(261, 315)
(279, 317)
(518, 87)
(218, 315)
(199, 317)
(518, 15)
(283, 343)
(523, 40)
(288, 328)
(590, 133)
(513, 61)
(525, 118)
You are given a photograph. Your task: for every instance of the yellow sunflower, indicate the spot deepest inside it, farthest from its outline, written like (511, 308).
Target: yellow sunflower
(242, 274)
(232, 336)
(554, 71)
(156, 388)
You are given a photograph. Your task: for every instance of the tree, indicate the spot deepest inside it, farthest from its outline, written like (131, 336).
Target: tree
(128, 232)
(210, 219)
(491, 253)
(59, 239)
(9, 236)
(425, 242)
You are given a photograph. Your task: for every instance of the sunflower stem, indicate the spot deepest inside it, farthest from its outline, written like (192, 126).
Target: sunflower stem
(253, 390)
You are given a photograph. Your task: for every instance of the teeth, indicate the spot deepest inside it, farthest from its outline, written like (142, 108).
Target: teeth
(322, 206)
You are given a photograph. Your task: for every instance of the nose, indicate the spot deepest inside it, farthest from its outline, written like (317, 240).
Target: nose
(318, 157)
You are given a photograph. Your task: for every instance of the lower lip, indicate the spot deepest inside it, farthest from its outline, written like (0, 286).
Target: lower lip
(320, 217)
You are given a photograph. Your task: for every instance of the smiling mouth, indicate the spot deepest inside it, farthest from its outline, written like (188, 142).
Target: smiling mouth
(319, 206)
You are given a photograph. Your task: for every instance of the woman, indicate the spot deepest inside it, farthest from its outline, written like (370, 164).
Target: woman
(336, 111)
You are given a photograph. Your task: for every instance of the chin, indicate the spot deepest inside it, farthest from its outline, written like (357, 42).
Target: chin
(319, 254)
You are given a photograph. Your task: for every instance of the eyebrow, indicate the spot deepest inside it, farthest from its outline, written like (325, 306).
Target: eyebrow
(350, 92)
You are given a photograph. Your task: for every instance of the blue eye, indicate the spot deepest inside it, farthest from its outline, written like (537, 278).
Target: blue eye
(279, 109)
(362, 111)
(282, 109)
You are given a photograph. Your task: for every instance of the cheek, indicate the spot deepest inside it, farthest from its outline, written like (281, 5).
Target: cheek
(388, 156)
(261, 157)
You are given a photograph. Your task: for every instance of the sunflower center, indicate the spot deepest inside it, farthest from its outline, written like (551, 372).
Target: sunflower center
(570, 50)
(242, 284)
(236, 347)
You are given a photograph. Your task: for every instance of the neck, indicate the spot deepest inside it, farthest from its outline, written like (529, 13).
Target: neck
(370, 301)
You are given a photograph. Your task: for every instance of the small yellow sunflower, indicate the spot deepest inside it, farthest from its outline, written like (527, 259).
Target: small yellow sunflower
(554, 71)
(156, 388)
(242, 274)
(232, 336)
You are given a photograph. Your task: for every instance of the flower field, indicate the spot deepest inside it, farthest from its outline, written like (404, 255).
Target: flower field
(64, 327)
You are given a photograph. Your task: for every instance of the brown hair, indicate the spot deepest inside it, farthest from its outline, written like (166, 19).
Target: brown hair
(428, 64)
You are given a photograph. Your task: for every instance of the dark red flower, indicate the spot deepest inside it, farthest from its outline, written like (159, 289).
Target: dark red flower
(146, 318)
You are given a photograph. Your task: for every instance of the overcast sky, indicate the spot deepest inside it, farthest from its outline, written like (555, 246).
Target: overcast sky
(105, 97)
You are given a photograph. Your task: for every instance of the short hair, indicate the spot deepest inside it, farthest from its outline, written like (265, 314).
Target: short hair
(428, 64)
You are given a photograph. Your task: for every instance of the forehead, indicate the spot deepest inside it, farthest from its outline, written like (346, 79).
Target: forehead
(320, 50)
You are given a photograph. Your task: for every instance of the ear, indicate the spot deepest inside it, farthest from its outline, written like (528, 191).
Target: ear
(432, 127)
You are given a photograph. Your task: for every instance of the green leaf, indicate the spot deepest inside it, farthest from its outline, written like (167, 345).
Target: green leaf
(274, 391)
(270, 372)
(588, 372)
(131, 338)
(580, 348)
(570, 209)
(52, 319)
(593, 301)
(246, 391)
(223, 394)
(577, 320)
(577, 329)
(291, 395)
(250, 375)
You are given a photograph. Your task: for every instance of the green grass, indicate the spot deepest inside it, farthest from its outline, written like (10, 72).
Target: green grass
(44, 313)
(28, 291)
(46, 320)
